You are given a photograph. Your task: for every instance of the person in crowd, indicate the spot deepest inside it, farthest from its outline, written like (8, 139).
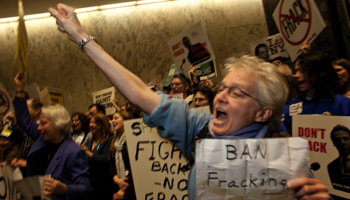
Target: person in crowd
(93, 109)
(277, 61)
(204, 97)
(316, 90)
(133, 109)
(96, 108)
(286, 71)
(96, 150)
(80, 125)
(114, 103)
(342, 68)
(339, 169)
(180, 84)
(288, 74)
(34, 109)
(262, 52)
(119, 157)
(249, 102)
(305, 48)
(53, 153)
(8, 146)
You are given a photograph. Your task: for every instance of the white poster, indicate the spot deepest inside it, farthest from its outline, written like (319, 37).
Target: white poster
(298, 21)
(104, 97)
(249, 168)
(32, 188)
(270, 48)
(327, 155)
(155, 163)
(7, 175)
(192, 47)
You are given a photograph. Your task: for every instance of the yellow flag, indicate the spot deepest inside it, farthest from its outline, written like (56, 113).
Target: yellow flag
(22, 42)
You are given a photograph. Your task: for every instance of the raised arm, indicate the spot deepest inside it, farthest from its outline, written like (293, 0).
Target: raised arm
(126, 82)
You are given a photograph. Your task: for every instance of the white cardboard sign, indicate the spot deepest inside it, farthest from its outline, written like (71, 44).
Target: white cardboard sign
(298, 21)
(249, 168)
(155, 163)
(104, 97)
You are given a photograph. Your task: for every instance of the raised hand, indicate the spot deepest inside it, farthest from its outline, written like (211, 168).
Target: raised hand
(67, 22)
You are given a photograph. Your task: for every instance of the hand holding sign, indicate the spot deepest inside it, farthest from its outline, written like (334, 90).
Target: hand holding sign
(252, 168)
(20, 81)
(310, 188)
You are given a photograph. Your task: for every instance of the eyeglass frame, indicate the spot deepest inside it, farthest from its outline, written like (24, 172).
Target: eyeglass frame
(233, 95)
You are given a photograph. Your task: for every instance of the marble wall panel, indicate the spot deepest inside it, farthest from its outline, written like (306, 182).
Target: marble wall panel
(135, 36)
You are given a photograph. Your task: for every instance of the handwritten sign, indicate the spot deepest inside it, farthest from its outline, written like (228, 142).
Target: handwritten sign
(104, 97)
(298, 21)
(155, 163)
(249, 168)
(324, 153)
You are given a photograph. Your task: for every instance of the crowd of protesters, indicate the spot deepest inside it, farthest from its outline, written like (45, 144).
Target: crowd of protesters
(86, 155)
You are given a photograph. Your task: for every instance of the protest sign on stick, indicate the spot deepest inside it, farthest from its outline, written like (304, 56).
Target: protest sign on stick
(298, 21)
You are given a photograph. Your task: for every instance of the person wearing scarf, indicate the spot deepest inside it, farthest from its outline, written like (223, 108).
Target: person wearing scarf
(253, 91)
(119, 159)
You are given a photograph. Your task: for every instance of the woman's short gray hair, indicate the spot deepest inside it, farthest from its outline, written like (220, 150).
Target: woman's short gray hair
(59, 116)
(271, 85)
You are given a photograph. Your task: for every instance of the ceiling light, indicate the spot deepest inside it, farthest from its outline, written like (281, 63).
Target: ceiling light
(117, 5)
(149, 1)
(87, 9)
(9, 19)
(36, 16)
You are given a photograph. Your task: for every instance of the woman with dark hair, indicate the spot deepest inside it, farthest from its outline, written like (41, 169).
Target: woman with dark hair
(342, 68)
(204, 97)
(80, 125)
(96, 150)
(316, 90)
(119, 158)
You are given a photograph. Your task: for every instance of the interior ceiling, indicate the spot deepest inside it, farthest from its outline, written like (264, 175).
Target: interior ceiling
(9, 8)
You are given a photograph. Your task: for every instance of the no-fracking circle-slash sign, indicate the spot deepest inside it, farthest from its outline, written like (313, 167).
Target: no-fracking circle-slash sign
(4, 103)
(286, 8)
